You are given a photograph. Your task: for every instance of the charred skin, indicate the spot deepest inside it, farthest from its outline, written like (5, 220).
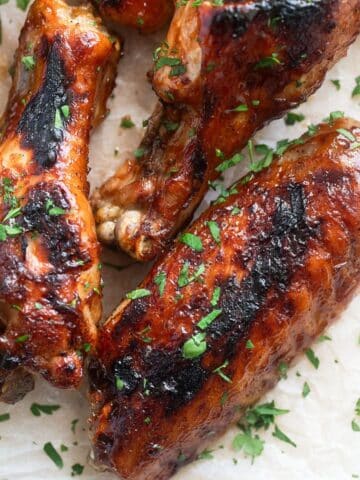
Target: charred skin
(287, 262)
(267, 56)
(49, 256)
(145, 15)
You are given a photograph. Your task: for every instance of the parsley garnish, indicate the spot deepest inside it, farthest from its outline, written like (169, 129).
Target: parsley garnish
(37, 409)
(77, 469)
(214, 230)
(215, 296)
(160, 281)
(126, 122)
(356, 90)
(4, 417)
(292, 118)
(252, 446)
(305, 390)
(53, 454)
(29, 62)
(206, 321)
(313, 359)
(195, 346)
(192, 241)
(281, 436)
(139, 293)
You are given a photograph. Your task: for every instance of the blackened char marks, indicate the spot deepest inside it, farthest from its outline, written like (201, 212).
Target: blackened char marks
(198, 162)
(297, 17)
(172, 378)
(37, 125)
(60, 238)
(280, 253)
(272, 261)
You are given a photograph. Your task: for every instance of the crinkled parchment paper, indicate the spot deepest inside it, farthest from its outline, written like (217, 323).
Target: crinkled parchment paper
(320, 424)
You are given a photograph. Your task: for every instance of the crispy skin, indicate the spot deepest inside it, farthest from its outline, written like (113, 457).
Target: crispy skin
(287, 262)
(145, 15)
(49, 268)
(227, 53)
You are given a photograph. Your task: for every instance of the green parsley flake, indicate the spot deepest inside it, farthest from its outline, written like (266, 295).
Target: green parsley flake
(231, 162)
(336, 84)
(215, 231)
(356, 90)
(292, 118)
(139, 293)
(195, 346)
(313, 359)
(53, 454)
(215, 296)
(29, 62)
(4, 417)
(192, 241)
(306, 390)
(206, 321)
(219, 371)
(160, 281)
(252, 446)
(37, 409)
(119, 383)
(22, 4)
(77, 469)
(126, 122)
(281, 436)
(249, 345)
(22, 338)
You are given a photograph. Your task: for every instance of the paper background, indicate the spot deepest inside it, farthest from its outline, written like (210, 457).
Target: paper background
(320, 424)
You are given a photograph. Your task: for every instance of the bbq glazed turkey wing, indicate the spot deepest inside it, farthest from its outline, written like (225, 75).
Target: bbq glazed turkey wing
(224, 73)
(49, 257)
(273, 263)
(145, 15)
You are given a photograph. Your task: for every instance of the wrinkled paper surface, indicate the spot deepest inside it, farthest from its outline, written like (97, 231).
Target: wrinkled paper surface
(320, 424)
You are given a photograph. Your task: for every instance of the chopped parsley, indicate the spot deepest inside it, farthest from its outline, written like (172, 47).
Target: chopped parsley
(53, 454)
(52, 209)
(126, 122)
(336, 84)
(37, 409)
(292, 118)
(268, 62)
(206, 321)
(139, 293)
(195, 346)
(160, 281)
(313, 359)
(29, 62)
(305, 390)
(214, 230)
(219, 371)
(77, 469)
(249, 345)
(4, 417)
(251, 445)
(192, 241)
(281, 436)
(119, 383)
(22, 338)
(184, 278)
(215, 296)
(356, 90)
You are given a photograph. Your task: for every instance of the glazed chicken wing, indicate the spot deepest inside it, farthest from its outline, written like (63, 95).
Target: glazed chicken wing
(274, 263)
(224, 72)
(145, 15)
(49, 256)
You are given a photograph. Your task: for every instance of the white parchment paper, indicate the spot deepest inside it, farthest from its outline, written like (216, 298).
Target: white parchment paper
(320, 424)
